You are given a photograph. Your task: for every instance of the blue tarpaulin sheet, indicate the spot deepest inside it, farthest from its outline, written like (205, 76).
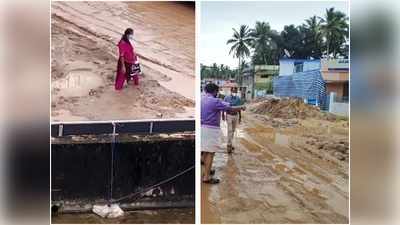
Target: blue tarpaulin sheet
(306, 85)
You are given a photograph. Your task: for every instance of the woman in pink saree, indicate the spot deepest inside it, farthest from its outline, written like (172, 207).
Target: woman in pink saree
(127, 58)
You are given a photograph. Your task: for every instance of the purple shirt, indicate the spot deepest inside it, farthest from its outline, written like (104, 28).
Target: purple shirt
(211, 108)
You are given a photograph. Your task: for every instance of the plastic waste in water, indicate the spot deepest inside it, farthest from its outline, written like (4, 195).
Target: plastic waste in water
(107, 211)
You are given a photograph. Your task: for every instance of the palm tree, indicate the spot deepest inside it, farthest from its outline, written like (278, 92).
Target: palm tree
(313, 24)
(292, 40)
(203, 71)
(227, 73)
(313, 37)
(241, 42)
(335, 30)
(215, 71)
(223, 70)
(262, 41)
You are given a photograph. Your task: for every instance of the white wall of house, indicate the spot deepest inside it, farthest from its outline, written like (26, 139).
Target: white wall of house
(312, 65)
(287, 67)
(338, 108)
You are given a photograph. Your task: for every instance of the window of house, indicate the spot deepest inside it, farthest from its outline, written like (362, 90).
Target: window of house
(298, 67)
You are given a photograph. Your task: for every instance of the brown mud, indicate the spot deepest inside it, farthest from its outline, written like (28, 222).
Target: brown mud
(84, 60)
(288, 108)
(281, 172)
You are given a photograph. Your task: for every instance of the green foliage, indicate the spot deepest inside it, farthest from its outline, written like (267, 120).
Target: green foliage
(265, 43)
(336, 31)
(241, 42)
(216, 72)
(314, 38)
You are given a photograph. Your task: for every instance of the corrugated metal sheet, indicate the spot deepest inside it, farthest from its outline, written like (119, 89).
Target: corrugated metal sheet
(307, 85)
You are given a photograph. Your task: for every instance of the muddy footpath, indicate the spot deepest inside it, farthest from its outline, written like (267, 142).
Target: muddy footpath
(84, 54)
(290, 165)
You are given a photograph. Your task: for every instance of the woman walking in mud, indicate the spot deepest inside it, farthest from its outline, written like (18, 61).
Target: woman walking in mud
(127, 58)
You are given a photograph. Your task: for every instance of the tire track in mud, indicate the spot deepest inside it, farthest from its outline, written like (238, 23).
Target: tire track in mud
(289, 178)
(290, 181)
(291, 185)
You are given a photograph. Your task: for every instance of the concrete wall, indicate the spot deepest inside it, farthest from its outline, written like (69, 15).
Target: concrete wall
(248, 77)
(81, 171)
(336, 76)
(311, 65)
(286, 67)
(263, 73)
(335, 87)
(334, 64)
(259, 79)
(339, 108)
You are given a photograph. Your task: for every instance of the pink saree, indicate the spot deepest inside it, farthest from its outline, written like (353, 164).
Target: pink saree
(126, 50)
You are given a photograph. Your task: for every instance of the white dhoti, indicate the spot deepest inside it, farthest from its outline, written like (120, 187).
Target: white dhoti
(210, 138)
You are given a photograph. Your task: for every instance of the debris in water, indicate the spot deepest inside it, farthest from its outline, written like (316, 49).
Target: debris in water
(107, 211)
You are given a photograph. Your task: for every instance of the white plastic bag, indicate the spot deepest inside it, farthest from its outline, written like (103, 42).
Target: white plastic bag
(106, 211)
(115, 211)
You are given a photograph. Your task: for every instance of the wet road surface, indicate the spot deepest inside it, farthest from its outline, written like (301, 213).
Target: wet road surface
(268, 181)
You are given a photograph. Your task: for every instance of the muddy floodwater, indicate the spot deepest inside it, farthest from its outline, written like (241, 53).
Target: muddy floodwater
(296, 173)
(78, 83)
(185, 215)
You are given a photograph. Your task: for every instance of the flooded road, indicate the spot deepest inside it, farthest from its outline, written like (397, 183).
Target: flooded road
(78, 83)
(143, 216)
(277, 175)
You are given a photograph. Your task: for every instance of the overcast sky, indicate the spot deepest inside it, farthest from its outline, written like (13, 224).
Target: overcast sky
(218, 19)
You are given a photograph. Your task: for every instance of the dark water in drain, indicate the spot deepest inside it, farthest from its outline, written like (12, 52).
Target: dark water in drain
(185, 215)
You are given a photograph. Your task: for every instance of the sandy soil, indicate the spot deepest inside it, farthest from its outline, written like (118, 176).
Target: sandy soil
(84, 60)
(282, 171)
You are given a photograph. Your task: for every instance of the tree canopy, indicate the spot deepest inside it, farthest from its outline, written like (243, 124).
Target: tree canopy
(315, 38)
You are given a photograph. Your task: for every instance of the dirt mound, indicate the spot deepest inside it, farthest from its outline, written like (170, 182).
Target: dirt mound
(289, 108)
